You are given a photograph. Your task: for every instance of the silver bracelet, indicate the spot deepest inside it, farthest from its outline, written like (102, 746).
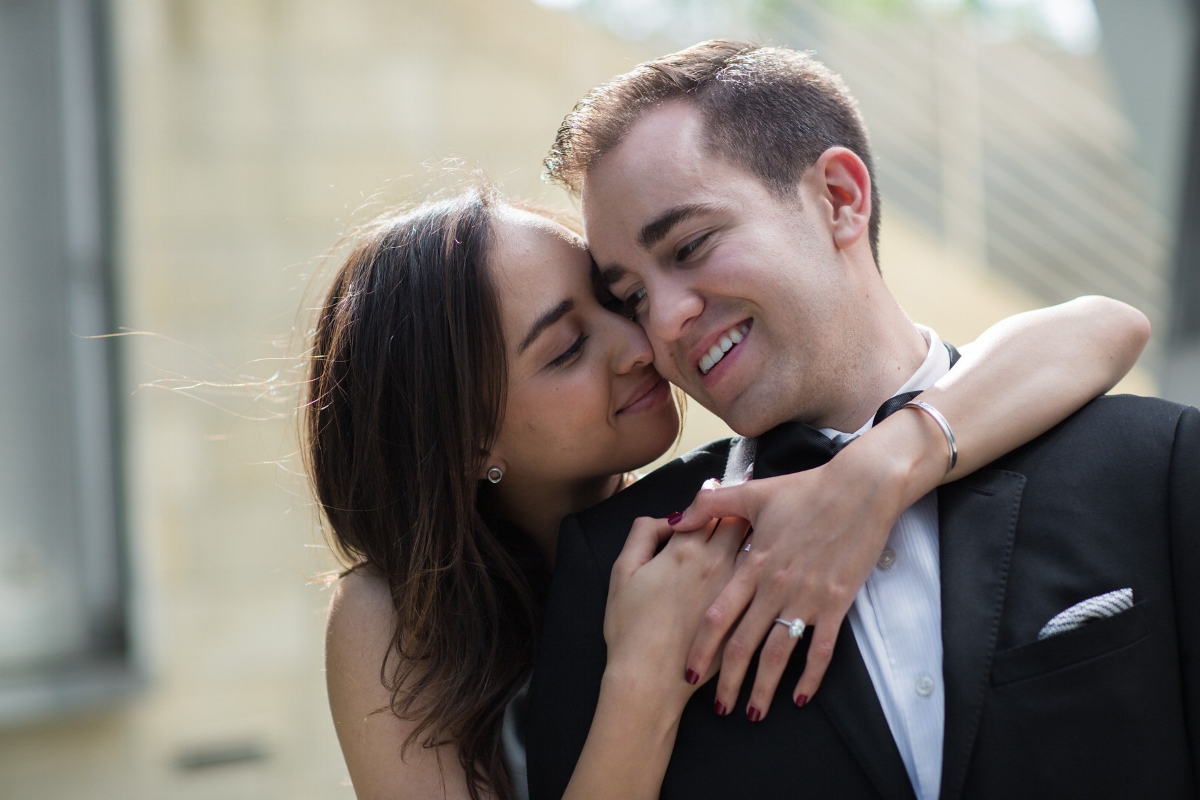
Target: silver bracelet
(945, 426)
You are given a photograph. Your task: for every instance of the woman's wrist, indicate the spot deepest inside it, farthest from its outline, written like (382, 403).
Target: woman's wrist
(635, 678)
(649, 696)
(630, 741)
(907, 452)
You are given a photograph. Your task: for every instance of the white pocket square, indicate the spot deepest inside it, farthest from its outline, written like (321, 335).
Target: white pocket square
(1078, 615)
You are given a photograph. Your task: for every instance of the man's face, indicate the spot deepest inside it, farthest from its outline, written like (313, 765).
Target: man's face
(719, 269)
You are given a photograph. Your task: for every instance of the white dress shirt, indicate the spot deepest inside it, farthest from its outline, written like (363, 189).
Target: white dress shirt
(897, 616)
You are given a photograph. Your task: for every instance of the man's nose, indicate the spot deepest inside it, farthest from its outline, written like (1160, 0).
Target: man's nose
(672, 308)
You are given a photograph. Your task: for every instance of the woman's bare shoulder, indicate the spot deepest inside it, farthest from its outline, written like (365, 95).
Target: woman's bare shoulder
(360, 612)
(359, 635)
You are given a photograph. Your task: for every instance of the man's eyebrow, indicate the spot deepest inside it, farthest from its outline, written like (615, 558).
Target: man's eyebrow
(545, 321)
(657, 229)
(651, 234)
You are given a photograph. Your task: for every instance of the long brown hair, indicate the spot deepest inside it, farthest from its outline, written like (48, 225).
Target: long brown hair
(405, 395)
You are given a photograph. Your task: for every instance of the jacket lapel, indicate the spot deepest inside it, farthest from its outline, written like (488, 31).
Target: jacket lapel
(977, 520)
(848, 698)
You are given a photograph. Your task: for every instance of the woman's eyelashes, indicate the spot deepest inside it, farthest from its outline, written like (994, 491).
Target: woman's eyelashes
(570, 352)
(627, 307)
(613, 303)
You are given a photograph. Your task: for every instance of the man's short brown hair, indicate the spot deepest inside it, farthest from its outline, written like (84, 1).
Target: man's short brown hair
(771, 110)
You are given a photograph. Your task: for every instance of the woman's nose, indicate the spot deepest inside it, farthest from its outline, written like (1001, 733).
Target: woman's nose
(633, 350)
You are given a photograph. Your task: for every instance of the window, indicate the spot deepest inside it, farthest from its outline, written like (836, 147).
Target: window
(63, 631)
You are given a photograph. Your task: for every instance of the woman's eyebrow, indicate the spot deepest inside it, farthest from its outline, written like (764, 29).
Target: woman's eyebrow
(545, 321)
(607, 276)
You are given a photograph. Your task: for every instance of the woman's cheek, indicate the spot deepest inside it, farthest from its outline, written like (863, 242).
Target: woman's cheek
(571, 414)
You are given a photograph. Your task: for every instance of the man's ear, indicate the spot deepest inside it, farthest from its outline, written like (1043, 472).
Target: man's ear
(844, 184)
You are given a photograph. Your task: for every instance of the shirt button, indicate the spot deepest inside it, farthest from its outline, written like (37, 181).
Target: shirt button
(887, 559)
(924, 686)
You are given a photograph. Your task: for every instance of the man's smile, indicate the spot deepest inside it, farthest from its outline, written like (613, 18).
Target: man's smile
(715, 354)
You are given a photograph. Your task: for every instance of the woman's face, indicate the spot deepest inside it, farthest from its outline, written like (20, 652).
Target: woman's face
(584, 400)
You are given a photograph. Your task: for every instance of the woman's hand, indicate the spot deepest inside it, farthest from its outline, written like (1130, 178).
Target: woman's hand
(655, 604)
(817, 536)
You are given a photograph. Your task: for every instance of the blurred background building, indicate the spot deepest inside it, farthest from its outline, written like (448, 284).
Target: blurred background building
(179, 172)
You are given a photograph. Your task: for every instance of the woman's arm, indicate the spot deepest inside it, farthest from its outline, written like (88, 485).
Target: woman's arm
(1029, 372)
(654, 607)
(818, 534)
(358, 636)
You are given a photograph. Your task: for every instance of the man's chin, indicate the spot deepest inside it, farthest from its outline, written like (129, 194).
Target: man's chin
(743, 421)
(743, 413)
(751, 419)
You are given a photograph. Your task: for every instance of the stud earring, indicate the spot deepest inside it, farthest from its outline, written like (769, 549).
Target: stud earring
(495, 474)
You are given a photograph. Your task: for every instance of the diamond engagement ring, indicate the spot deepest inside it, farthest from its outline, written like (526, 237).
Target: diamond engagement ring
(795, 626)
(745, 548)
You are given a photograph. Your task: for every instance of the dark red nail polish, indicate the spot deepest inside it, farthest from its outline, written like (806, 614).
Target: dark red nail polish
(692, 677)
(754, 714)
(674, 518)
(720, 708)
(802, 700)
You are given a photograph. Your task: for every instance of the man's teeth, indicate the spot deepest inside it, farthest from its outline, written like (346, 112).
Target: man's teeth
(715, 353)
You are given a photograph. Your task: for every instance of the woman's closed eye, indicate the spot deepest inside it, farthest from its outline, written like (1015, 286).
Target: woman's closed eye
(570, 352)
(612, 303)
(627, 307)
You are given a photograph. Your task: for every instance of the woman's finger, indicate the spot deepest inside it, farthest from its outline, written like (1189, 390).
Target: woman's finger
(743, 551)
(741, 500)
(820, 652)
(776, 652)
(730, 532)
(640, 546)
(717, 622)
(754, 627)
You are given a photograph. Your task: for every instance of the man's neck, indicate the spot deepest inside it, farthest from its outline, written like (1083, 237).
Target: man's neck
(888, 354)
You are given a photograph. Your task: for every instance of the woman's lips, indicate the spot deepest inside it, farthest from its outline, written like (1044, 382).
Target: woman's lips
(652, 391)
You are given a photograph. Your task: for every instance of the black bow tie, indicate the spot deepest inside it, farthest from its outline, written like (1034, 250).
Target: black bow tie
(797, 446)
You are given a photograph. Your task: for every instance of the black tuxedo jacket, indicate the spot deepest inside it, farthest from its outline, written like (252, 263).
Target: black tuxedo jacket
(1109, 499)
